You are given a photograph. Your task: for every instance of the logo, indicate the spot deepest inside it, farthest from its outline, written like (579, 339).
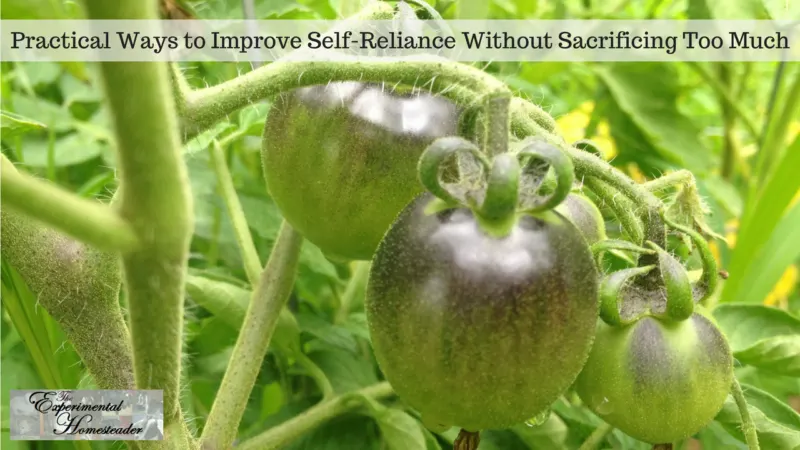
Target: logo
(90, 415)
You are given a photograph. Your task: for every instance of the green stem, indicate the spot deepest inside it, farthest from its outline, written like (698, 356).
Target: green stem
(317, 374)
(355, 287)
(495, 133)
(252, 264)
(624, 209)
(596, 438)
(206, 106)
(748, 427)
(283, 434)
(674, 179)
(156, 200)
(85, 220)
(269, 298)
(725, 96)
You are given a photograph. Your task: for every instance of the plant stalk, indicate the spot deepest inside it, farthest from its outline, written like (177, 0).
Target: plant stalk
(283, 434)
(596, 438)
(156, 201)
(252, 264)
(269, 298)
(748, 427)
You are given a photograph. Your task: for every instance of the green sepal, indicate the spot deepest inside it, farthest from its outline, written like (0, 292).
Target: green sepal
(612, 289)
(562, 167)
(677, 287)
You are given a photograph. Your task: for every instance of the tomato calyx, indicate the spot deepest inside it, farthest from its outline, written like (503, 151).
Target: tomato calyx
(500, 189)
(659, 286)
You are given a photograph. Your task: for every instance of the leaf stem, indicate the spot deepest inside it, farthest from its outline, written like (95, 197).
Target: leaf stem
(269, 298)
(748, 427)
(252, 264)
(596, 438)
(83, 219)
(281, 435)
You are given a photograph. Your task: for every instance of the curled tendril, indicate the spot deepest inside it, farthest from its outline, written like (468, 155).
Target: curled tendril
(533, 148)
(431, 164)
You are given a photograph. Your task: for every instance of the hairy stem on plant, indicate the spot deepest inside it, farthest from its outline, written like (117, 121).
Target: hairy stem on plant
(624, 209)
(748, 427)
(85, 220)
(283, 434)
(252, 264)
(156, 201)
(269, 298)
(678, 178)
(355, 286)
(596, 438)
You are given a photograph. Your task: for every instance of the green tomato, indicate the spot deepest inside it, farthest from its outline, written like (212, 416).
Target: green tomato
(341, 160)
(658, 381)
(477, 331)
(584, 215)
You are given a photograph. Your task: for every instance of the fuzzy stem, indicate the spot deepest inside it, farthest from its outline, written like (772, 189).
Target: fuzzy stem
(495, 139)
(677, 178)
(354, 287)
(596, 438)
(624, 209)
(205, 107)
(252, 264)
(83, 219)
(283, 434)
(268, 300)
(748, 428)
(156, 200)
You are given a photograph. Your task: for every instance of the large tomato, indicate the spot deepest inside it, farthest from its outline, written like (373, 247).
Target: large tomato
(341, 159)
(478, 331)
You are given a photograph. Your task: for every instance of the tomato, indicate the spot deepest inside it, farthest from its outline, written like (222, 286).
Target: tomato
(585, 215)
(341, 160)
(478, 331)
(658, 380)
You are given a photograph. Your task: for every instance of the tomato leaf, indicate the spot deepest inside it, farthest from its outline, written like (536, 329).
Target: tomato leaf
(400, 431)
(648, 94)
(779, 354)
(14, 125)
(745, 325)
(777, 424)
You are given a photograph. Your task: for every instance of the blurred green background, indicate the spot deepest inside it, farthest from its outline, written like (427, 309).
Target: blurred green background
(647, 118)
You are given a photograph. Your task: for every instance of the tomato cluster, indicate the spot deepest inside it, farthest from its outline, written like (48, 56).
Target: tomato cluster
(486, 299)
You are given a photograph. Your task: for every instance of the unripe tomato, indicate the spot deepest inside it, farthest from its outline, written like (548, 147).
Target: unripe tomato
(341, 160)
(477, 331)
(658, 381)
(585, 216)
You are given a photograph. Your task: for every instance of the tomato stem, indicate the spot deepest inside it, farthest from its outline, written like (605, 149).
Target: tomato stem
(502, 192)
(252, 264)
(279, 436)
(269, 298)
(496, 128)
(597, 437)
(748, 427)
